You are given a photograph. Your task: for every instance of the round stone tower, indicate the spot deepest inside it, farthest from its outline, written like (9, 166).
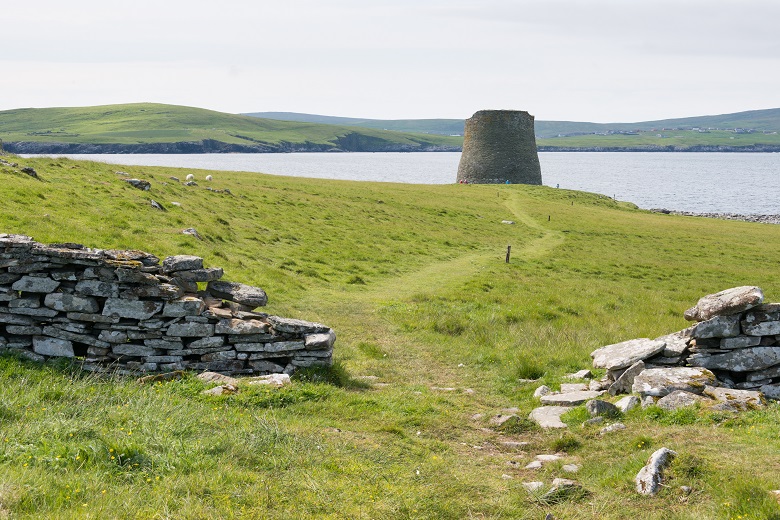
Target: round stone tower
(499, 146)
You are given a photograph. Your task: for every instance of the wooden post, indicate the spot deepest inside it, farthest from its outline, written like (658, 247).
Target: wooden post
(548, 218)
(508, 251)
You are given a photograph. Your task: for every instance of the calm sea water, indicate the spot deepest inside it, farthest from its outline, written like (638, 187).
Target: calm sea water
(700, 182)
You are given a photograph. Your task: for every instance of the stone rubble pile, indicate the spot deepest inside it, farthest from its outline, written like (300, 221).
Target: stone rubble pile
(125, 311)
(729, 360)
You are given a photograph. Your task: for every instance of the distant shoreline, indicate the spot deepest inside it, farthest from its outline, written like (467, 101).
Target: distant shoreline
(217, 147)
(761, 219)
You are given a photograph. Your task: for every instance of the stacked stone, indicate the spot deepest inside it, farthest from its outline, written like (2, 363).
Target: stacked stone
(734, 345)
(125, 311)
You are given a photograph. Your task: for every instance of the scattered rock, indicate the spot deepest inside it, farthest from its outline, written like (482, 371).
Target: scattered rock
(510, 222)
(599, 408)
(573, 387)
(612, 428)
(275, 380)
(649, 478)
(678, 399)
(570, 399)
(221, 390)
(239, 293)
(140, 184)
(156, 205)
(735, 400)
(532, 487)
(190, 231)
(549, 416)
(214, 377)
(542, 391)
(582, 374)
(627, 403)
(168, 376)
(30, 171)
(570, 468)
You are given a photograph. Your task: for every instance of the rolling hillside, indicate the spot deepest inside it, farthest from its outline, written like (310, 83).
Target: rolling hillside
(149, 127)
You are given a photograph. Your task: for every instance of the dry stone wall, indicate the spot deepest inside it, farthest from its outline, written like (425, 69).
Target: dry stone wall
(499, 146)
(126, 311)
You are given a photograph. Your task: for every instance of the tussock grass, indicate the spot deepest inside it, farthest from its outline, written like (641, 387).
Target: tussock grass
(437, 338)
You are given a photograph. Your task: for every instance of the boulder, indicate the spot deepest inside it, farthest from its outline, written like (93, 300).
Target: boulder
(626, 353)
(648, 480)
(599, 408)
(239, 293)
(627, 403)
(735, 400)
(725, 303)
(139, 184)
(678, 399)
(659, 382)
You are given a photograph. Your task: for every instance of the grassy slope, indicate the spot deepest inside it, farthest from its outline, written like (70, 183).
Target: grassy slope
(157, 123)
(412, 279)
(759, 120)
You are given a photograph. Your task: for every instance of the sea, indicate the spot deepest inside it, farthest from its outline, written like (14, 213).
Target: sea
(744, 183)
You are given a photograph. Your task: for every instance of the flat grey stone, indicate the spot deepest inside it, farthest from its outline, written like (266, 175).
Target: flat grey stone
(676, 343)
(265, 366)
(728, 302)
(208, 342)
(284, 346)
(54, 347)
(71, 303)
(739, 342)
(22, 330)
(741, 360)
(191, 330)
(659, 382)
(762, 328)
(612, 428)
(569, 399)
(135, 276)
(128, 349)
(25, 302)
(113, 336)
(185, 306)
(165, 291)
(221, 355)
(771, 391)
(736, 400)
(239, 293)
(767, 373)
(626, 353)
(35, 284)
(573, 387)
(624, 383)
(322, 341)
(293, 326)
(717, 327)
(240, 327)
(678, 399)
(139, 310)
(549, 416)
(209, 274)
(181, 263)
(97, 288)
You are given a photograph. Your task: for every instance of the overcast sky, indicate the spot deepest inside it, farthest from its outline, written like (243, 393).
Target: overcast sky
(588, 60)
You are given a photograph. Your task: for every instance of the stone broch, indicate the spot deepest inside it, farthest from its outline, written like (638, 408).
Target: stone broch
(124, 311)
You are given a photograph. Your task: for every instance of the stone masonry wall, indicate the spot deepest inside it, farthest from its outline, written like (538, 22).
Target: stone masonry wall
(125, 311)
(499, 146)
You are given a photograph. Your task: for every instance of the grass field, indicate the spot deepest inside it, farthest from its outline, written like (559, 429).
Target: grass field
(436, 334)
(676, 139)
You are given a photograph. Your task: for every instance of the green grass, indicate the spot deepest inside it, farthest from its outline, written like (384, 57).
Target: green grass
(672, 139)
(446, 330)
(157, 123)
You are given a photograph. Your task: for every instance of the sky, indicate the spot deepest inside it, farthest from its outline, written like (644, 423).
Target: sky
(575, 60)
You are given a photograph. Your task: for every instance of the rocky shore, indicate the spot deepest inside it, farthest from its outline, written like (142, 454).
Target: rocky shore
(762, 219)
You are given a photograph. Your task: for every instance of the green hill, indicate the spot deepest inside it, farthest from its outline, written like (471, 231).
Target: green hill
(149, 127)
(437, 335)
(758, 130)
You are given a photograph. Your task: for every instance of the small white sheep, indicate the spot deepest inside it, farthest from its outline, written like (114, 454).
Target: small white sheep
(209, 178)
(190, 177)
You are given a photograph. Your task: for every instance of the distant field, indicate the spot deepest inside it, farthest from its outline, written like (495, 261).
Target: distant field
(675, 139)
(145, 123)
